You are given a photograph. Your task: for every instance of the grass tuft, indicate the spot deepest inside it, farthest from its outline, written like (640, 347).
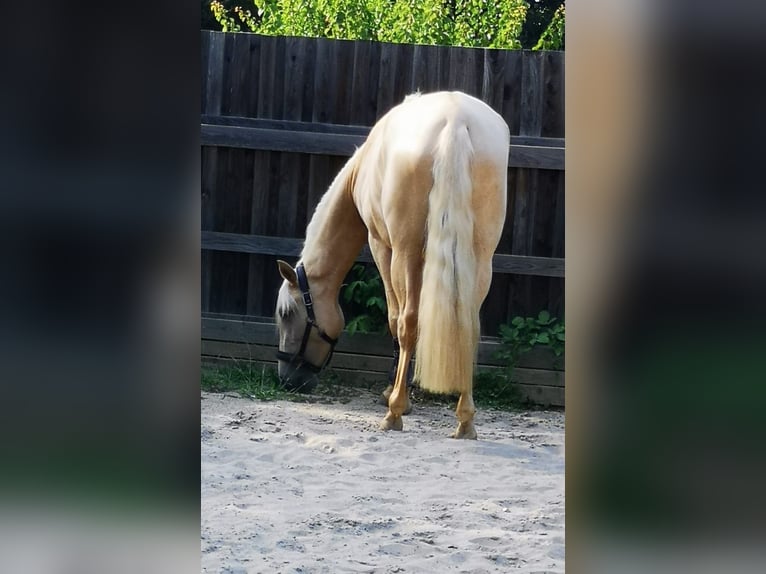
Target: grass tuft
(247, 379)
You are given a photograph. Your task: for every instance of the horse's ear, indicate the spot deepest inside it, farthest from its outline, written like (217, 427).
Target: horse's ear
(287, 272)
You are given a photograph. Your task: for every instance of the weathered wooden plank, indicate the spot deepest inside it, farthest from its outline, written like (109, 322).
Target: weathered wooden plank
(303, 173)
(512, 90)
(232, 350)
(233, 208)
(520, 214)
(494, 310)
(543, 395)
(536, 358)
(466, 70)
(492, 79)
(229, 211)
(259, 222)
(309, 72)
(234, 330)
(386, 96)
(419, 69)
(531, 93)
(230, 273)
(264, 245)
(204, 67)
(238, 83)
(214, 73)
(254, 43)
(537, 157)
(358, 130)
(271, 74)
(291, 167)
(556, 288)
(238, 331)
(288, 246)
(443, 68)
(294, 78)
(343, 65)
(525, 376)
(362, 105)
(553, 94)
(528, 265)
(280, 140)
(288, 198)
(524, 293)
(267, 319)
(226, 73)
(209, 176)
(258, 352)
(403, 75)
(322, 104)
(240, 192)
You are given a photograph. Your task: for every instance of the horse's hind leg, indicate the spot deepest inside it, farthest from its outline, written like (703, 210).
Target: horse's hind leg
(465, 412)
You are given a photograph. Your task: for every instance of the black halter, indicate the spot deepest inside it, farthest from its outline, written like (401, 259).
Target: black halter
(298, 359)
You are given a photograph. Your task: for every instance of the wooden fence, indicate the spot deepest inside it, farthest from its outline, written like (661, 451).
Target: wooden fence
(280, 116)
(366, 358)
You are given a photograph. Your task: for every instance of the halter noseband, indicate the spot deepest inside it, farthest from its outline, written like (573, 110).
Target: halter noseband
(298, 358)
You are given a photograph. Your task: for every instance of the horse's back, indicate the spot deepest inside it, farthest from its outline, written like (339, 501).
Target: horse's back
(414, 125)
(397, 172)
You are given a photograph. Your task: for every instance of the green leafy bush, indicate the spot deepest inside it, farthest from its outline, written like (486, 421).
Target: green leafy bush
(480, 23)
(523, 333)
(498, 389)
(365, 299)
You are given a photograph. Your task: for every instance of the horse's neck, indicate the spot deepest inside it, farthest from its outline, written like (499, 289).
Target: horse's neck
(335, 235)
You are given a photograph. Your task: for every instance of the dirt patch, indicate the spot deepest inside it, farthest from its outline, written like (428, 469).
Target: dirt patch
(316, 487)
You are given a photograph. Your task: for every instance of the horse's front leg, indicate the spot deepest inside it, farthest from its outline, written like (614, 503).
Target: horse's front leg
(381, 253)
(392, 379)
(399, 401)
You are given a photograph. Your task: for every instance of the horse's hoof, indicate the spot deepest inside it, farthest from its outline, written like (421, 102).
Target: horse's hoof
(391, 422)
(465, 430)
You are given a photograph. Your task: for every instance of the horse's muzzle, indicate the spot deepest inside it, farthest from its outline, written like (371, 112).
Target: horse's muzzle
(300, 379)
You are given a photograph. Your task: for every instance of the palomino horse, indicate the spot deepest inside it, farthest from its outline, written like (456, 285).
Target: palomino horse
(427, 190)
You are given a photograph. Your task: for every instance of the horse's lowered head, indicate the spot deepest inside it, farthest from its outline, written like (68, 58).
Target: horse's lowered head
(309, 324)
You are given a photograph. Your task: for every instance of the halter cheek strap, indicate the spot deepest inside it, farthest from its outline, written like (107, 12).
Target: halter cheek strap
(299, 358)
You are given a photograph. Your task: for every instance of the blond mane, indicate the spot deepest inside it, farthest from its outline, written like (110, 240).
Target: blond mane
(338, 185)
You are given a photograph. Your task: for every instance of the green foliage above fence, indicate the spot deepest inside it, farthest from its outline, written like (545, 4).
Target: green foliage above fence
(552, 37)
(477, 23)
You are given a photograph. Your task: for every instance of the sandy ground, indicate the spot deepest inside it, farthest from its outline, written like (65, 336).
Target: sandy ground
(300, 487)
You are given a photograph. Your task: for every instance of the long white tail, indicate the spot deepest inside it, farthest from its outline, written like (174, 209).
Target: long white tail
(448, 318)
